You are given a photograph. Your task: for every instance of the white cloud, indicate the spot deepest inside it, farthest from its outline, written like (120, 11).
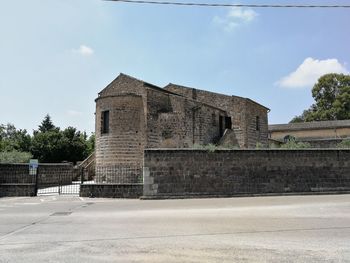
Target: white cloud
(84, 51)
(235, 17)
(74, 113)
(307, 74)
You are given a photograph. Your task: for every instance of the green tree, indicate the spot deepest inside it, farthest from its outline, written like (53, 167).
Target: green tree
(12, 139)
(332, 99)
(47, 146)
(52, 145)
(47, 125)
(15, 157)
(91, 144)
(74, 145)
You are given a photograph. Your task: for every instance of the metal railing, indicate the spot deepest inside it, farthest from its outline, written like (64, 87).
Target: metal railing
(112, 174)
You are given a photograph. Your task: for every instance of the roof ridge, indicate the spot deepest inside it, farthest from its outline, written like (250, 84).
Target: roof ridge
(221, 94)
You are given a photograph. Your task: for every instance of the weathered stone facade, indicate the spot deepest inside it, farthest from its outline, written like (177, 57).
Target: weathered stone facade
(133, 115)
(319, 134)
(249, 119)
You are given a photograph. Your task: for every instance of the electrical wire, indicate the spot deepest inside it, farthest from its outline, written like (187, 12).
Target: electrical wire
(228, 5)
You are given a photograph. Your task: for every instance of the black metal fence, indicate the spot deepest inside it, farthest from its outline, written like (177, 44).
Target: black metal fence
(64, 178)
(113, 174)
(58, 179)
(46, 179)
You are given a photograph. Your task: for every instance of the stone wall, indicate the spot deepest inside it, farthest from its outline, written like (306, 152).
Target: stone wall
(15, 174)
(241, 172)
(7, 190)
(111, 190)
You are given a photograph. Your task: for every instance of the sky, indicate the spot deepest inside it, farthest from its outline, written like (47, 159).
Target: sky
(56, 55)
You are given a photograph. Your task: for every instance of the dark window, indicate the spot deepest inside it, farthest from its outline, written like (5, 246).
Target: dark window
(221, 125)
(228, 123)
(213, 119)
(257, 123)
(105, 122)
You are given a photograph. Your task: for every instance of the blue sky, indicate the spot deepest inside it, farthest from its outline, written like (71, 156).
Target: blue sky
(56, 55)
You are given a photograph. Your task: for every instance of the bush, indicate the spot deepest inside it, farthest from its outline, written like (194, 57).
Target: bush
(293, 144)
(345, 144)
(212, 147)
(259, 145)
(15, 157)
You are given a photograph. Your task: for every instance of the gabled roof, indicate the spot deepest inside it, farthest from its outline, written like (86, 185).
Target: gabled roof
(310, 125)
(218, 94)
(141, 82)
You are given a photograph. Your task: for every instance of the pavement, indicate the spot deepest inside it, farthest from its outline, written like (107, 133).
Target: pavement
(250, 229)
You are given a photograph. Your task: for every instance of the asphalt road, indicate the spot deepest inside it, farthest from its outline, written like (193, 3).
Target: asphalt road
(257, 229)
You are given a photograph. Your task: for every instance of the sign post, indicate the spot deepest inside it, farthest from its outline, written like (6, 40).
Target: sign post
(33, 166)
(33, 169)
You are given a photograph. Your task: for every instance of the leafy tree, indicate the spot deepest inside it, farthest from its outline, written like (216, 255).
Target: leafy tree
(47, 125)
(91, 144)
(50, 144)
(12, 139)
(47, 146)
(15, 157)
(332, 99)
(74, 145)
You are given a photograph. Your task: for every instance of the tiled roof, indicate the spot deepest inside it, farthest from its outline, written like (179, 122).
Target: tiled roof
(170, 85)
(310, 125)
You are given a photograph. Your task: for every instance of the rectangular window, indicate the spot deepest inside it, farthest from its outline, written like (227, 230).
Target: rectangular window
(257, 123)
(213, 119)
(105, 122)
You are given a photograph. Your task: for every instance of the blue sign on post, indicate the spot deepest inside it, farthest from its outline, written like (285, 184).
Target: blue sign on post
(33, 166)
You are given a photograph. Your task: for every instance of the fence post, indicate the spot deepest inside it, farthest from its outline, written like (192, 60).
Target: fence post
(36, 181)
(82, 174)
(59, 183)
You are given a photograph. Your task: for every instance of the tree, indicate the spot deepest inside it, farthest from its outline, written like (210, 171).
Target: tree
(50, 144)
(15, 157)
(74, 145)
(47, 146)
(12, 139)
(91, 144)
(47, 124)
(332, 99)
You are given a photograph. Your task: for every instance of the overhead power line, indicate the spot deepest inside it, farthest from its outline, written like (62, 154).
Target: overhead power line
(229, 5)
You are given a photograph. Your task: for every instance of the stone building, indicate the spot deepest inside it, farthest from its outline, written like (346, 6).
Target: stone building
(132, 115)
(319, 134)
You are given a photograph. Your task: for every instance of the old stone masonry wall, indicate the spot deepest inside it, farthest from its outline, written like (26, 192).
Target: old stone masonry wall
(237, 172)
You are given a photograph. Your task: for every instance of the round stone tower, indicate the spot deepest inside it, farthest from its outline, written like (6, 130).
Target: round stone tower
(120, 127)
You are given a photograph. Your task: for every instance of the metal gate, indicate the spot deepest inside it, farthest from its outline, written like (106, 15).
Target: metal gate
(60, 179)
